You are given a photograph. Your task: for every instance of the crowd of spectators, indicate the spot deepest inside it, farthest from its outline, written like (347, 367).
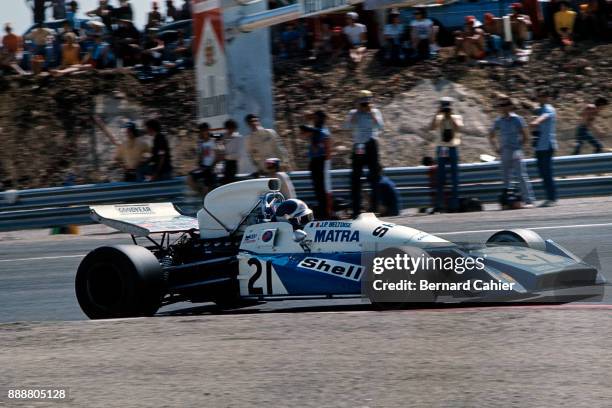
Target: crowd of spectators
(408, 37)
(110, 39)
(107, 38)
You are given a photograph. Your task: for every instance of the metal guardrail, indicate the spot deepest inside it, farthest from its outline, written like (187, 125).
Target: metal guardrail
(47, 207)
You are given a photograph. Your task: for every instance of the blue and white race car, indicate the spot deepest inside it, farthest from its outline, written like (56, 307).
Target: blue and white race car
(246, 245)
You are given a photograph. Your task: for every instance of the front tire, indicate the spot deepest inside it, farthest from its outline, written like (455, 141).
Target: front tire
(119, 281)
(518, 237)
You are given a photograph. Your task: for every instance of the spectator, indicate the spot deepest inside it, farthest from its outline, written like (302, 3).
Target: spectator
(356, 34)
(471, 43)
(366, 123)
(171, 11)
(337, 42)
(127, 40)
(513, 135)
(263, 143)
(564, 23)
(394, 32)
(593, 19)
(290, 41)
(39, 37)
(71, 15)
(319, 154)
(11, 43)
(389, 197)
(533, 9)
(585, 130)
(272, 169)
(234, 149)
(59, 9)
(493, 34)
(203, 179)
(124, 11)
(39, 8)
(131, 154)
(161, 159)
(186, 10)
(421, 33)
(71, 51)
(66, 28)
(42, 39)
(521, 24)
(154, 17)
(545, 144)
(99, 54)
(449, 125)
(105, 12)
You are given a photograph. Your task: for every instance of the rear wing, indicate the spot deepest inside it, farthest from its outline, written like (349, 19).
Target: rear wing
(142, 220)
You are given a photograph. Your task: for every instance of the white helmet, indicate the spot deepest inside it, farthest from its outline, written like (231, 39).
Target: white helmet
(295, 212)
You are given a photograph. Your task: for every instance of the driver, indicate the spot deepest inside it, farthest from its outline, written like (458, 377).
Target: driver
(295, 212)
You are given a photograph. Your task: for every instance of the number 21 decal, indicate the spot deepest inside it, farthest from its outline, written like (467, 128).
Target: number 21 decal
(258, 290)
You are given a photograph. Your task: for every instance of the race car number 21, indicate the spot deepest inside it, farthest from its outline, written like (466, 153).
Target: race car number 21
(258, 290)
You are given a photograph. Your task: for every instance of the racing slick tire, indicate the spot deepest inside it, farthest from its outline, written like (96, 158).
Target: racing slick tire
(519, 237)
(119, 281)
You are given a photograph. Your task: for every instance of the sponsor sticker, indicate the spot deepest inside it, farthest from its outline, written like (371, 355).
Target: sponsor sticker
(134, 209)
(336, 235)
(331, 267)
(331, 224)
(267, 236)
(250, 238)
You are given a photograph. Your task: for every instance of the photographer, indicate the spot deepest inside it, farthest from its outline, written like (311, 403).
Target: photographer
(449, 125)
(365, 122)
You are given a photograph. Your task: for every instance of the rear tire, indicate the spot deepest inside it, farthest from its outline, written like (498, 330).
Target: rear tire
(519, 237)
(119, 281)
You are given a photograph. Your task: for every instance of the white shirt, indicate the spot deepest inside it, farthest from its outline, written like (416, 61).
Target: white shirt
(234, 146)
(422, 28)
(207, 152)
(354, 32)
(443, 123)
(394, 30)
(364, 127)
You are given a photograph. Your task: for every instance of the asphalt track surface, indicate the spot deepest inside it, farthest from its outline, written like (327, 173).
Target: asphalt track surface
(37, 270)
(310, 353)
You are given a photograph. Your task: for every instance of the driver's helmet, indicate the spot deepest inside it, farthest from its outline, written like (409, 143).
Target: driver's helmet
(295, 212)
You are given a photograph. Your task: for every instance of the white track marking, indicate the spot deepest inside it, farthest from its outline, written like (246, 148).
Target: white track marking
(42, 258)
(609, 224)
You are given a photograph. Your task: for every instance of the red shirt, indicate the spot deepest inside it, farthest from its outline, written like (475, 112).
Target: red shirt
(11, 43)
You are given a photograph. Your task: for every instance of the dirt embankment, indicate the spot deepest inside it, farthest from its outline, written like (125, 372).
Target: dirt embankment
(408, 96)
(46, 130)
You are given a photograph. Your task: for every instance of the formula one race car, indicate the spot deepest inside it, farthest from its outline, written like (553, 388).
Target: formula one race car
(249, 244)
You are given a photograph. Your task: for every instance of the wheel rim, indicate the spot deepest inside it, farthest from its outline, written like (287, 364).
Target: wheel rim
(105, 286)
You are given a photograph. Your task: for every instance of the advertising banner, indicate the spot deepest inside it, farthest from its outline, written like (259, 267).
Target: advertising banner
(210, 62)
